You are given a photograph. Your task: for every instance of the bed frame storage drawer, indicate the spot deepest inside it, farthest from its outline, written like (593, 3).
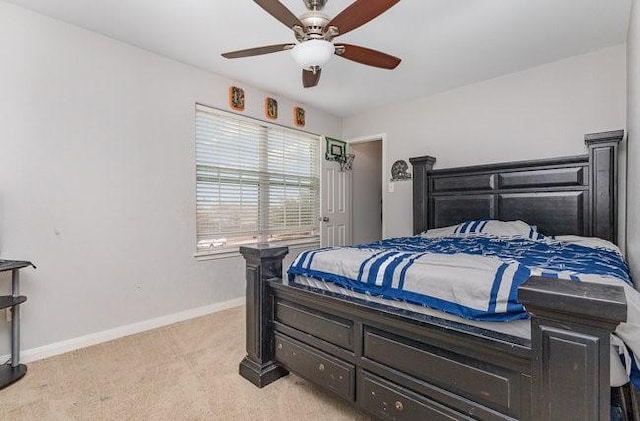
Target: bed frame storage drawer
(389, 401)
(316, 366)
(486, 384)
(328, 327)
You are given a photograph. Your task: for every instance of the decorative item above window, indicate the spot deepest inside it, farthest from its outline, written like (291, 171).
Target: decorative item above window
(298, 116)
(399, 171)
(271, 108)
(337, 151)
(236, 98)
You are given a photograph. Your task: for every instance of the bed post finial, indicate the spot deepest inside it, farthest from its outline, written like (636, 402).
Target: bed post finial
(421, 165)
(263, 263)
(603, 183)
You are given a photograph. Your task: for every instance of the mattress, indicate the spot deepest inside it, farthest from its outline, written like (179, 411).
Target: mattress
(520, 328)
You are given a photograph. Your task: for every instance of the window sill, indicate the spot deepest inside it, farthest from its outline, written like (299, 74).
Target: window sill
(235, 251)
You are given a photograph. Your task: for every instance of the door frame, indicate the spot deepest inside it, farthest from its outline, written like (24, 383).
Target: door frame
(382, 137)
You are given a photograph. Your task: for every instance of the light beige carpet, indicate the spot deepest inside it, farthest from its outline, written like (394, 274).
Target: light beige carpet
(188, 370)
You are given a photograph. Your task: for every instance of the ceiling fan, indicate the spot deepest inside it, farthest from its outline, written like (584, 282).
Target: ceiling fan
(315, 32)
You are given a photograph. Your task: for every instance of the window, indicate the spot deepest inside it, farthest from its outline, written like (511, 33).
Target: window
(256, 182)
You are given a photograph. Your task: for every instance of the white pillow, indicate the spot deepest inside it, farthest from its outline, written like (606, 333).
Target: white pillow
(487, 227)
(439, 232)
(592, 242)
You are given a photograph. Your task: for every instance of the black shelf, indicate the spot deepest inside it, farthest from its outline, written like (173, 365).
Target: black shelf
(10, 300)
(10, 375)
(13, 371)
(14, 264)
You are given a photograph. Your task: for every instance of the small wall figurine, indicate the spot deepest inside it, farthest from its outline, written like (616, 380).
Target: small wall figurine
(271, 108)
(298, 116)
(236, 98)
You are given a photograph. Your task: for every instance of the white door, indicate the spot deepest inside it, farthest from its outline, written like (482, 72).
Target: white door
(335, 213)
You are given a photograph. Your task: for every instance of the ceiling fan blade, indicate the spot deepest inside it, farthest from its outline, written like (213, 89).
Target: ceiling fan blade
(367, 56)
(280, 12)
(310, 79)
(359, 13)
(267, 49)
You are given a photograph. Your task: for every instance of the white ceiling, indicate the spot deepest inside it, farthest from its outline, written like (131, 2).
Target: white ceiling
(443, 43)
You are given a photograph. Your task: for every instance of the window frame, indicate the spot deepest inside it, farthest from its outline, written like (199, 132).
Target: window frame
(233, 250)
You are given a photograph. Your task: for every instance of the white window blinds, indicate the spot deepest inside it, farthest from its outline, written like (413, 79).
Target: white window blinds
(256, 182)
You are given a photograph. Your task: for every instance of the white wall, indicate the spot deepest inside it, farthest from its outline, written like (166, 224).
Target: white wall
(97, 178)
(537, 113)
(366, 191)
(633, 152)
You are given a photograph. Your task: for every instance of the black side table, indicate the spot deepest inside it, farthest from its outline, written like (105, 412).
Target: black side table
(10, 373)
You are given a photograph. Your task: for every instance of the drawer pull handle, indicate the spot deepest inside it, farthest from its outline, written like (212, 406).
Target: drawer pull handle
(321, 367)
(399, 406)
(279, 346)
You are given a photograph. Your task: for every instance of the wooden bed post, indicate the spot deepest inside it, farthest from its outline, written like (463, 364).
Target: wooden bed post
(263, 263)
(603, 166)
(421, 187)
(571, 324)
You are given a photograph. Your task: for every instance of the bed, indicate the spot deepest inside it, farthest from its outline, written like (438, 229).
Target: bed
(399, 363)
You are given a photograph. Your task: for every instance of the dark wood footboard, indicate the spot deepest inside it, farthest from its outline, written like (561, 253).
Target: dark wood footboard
(402, 365)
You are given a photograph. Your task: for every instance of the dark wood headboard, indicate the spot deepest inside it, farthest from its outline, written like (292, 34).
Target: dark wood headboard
(562, 196)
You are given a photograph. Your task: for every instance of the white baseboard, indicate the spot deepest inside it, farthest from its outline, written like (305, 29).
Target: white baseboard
(38, 353)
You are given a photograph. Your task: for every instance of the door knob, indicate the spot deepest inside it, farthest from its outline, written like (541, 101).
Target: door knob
(323, 219)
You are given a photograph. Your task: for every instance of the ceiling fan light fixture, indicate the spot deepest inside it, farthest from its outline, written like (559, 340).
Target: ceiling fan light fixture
(314, 52)
(314, 31)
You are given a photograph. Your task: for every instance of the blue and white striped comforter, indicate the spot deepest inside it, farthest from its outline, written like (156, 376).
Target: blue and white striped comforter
(474, 277)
